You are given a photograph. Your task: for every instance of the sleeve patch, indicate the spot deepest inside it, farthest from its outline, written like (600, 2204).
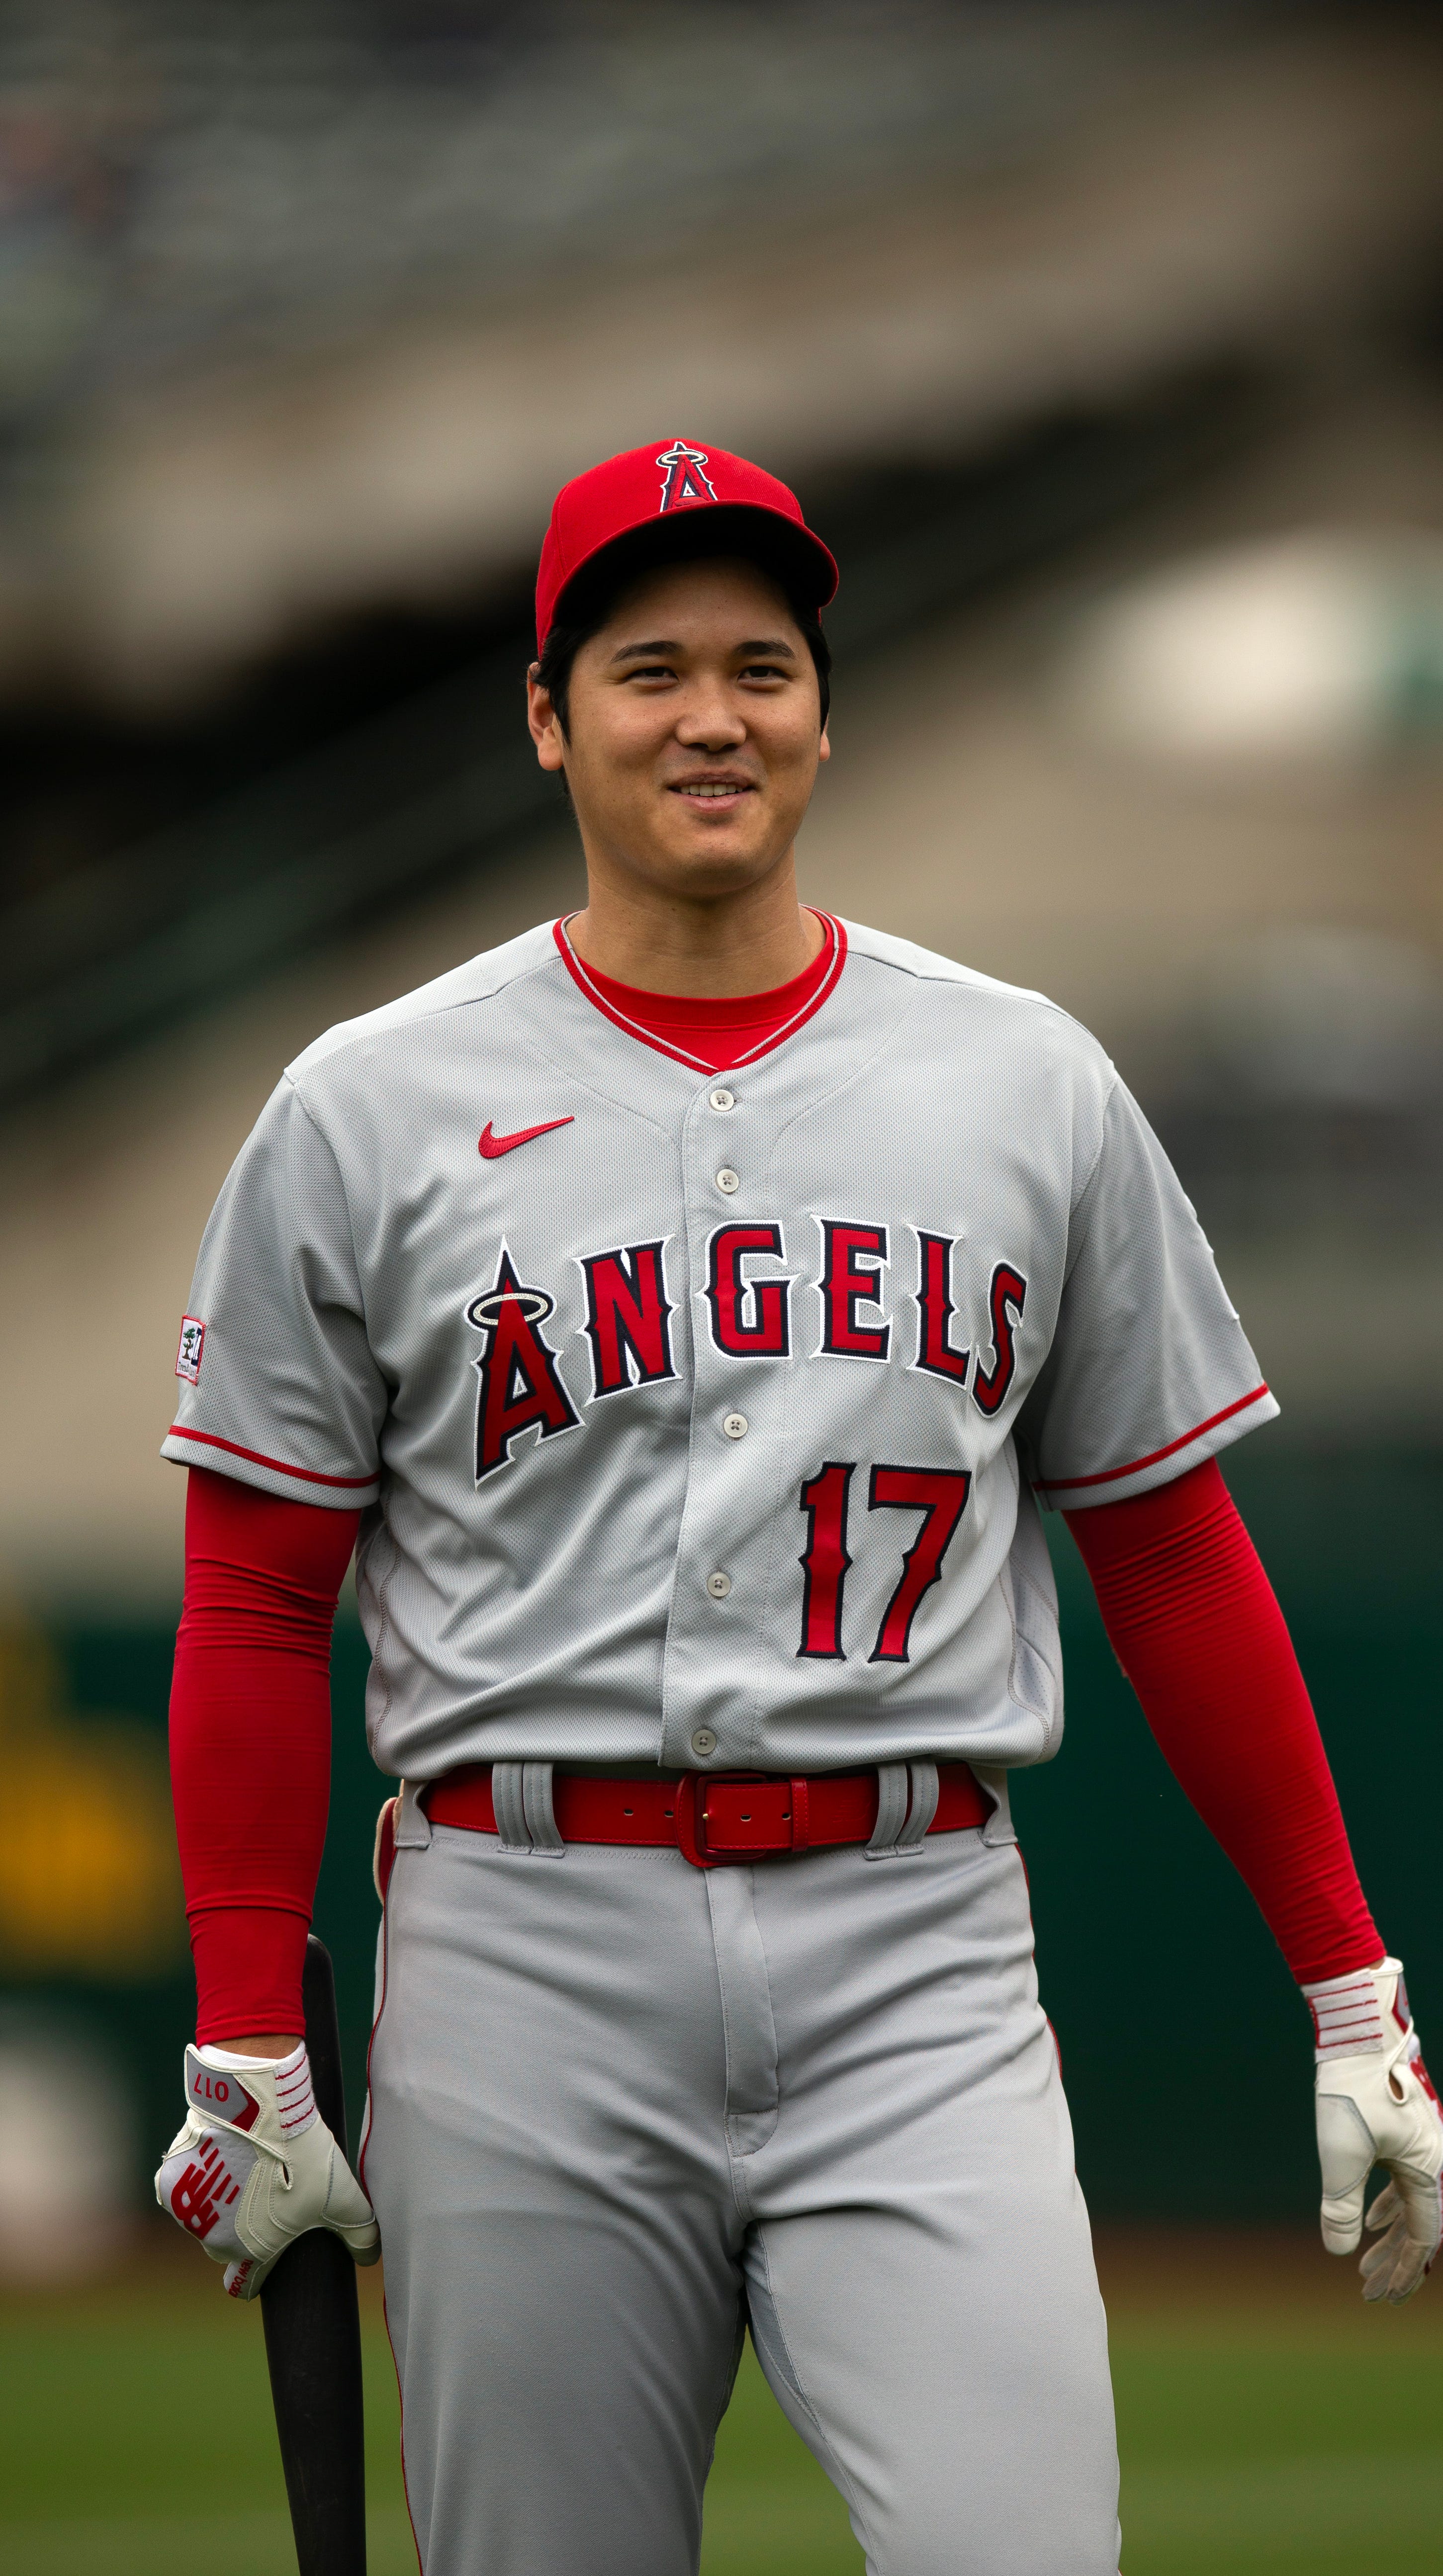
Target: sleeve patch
(192, 1344)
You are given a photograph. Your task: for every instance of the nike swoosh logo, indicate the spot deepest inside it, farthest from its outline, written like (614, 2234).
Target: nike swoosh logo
(495, 1146)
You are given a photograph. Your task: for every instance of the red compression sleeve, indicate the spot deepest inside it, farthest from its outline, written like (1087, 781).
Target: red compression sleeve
(250, 1742)
(1197, 1629)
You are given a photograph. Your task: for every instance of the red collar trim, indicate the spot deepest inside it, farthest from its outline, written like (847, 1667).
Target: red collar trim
(831, 973)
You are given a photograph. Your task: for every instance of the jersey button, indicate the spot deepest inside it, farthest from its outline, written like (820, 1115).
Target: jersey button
(735, 1425)
(703, 1742)
(728, 1180)
(722, 1099)
(718, 1585)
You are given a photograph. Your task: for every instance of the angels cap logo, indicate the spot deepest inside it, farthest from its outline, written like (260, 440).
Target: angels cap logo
(685, 480)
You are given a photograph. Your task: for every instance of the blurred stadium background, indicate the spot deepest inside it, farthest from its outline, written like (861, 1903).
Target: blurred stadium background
(1105, 343)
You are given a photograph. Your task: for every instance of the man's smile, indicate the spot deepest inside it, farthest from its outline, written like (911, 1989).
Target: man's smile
(712, 791)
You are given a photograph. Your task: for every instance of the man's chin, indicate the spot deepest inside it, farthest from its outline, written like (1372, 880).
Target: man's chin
(710, 862)
(688, 826)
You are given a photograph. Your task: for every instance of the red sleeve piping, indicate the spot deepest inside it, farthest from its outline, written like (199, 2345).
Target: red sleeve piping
(1134, 1467)
(258, 1458)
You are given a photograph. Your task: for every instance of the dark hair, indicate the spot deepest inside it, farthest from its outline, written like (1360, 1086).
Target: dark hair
(590, 601)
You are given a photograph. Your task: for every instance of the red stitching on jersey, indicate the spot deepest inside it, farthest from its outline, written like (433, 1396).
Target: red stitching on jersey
(1134, 1467)
(257, 1457)
(695, 1063)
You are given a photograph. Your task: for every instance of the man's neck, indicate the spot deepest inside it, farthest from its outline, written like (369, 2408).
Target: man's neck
(746, 943)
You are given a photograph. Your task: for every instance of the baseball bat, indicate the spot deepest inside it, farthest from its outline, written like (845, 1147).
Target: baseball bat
(313, 2338)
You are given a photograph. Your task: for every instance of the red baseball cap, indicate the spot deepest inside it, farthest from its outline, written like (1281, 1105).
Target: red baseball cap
(651, 487)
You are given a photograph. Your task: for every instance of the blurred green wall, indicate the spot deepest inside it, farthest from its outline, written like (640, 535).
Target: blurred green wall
(1186, 2052)
(1184, 2048)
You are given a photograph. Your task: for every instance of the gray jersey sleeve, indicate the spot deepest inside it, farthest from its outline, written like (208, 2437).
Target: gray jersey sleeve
(278, 1383)
(1149, 1372)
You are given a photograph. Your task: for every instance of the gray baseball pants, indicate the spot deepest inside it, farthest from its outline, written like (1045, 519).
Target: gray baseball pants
(621, 2108)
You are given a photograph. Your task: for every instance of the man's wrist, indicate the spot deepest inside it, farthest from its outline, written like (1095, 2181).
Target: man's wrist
(269, 2044)
(1369, 1967)
(1361, 2014)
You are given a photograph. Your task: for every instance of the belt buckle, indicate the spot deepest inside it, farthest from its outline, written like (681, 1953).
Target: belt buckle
(691, 1819)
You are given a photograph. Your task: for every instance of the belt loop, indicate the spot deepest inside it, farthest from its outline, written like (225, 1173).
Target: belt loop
(539, 1809)
(891, 1810)
(801, 1816)
(925, 1793)
(508, 1797)
(410, 1820)
(999, 1827)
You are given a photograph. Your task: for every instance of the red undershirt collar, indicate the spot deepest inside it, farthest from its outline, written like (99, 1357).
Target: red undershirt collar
(707, 1034)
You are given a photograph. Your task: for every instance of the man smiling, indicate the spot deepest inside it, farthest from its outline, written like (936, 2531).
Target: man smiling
(684, 703)
(694, 1431)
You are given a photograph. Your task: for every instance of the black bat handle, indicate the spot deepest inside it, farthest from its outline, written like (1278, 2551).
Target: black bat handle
(313, 2339)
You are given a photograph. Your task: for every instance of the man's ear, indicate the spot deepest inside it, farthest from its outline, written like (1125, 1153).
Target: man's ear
(824, 747)
(544, 723)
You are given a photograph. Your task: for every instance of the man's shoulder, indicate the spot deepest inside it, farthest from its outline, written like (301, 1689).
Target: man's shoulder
(968, 992)
(431, 1008)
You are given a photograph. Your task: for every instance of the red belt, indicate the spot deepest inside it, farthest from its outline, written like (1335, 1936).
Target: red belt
(712, 1819)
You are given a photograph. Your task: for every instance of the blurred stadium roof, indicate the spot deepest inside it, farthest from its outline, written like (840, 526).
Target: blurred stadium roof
(305, 311)
(303, 306)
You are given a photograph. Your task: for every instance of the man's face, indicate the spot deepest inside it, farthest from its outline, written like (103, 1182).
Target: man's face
(693, 730)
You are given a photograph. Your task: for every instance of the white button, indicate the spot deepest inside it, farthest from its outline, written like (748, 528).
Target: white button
(727, 1180)
(703, 1742)
(718, 1585)
(721, 1098)
(735, 1425)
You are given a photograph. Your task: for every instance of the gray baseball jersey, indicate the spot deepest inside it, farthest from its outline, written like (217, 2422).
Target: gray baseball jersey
(700, 1419)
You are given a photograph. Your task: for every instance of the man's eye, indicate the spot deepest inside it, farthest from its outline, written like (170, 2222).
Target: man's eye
(764, 671)
(653, 671)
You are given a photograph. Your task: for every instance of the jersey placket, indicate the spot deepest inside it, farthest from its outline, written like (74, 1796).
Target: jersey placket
(710, 1676)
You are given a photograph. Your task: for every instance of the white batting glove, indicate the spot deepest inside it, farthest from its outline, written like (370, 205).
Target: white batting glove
(1376, 2105)
(255, 2166)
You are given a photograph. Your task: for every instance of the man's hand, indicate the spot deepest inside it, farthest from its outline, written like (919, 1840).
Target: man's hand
(1376, 2105)
(255, 2166)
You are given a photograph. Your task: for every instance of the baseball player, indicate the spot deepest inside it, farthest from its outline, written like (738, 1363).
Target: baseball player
(684, 1311)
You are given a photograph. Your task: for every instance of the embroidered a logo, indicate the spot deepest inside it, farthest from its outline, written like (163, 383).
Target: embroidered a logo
(492, 1146)
(758, 1296)
(519, 1383)
(686, 479)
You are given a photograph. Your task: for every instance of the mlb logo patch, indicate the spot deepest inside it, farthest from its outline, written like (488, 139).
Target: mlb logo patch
(192, 1343)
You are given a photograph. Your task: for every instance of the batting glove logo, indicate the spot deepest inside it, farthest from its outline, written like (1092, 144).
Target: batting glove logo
(201, 2191)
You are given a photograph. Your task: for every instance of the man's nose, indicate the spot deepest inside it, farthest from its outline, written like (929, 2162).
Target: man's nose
(710, 720)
